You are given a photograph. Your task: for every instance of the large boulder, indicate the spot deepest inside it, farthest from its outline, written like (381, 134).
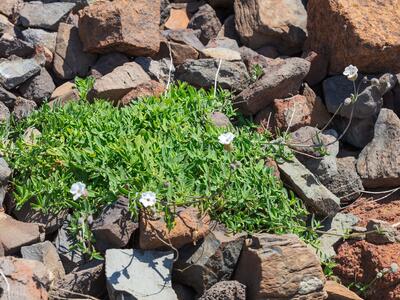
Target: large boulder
(279, 23)
(341, 30)
(131, 28)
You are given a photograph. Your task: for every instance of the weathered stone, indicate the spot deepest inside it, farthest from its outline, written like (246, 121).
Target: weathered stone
(38, 88)
(259, 23)
(187, 37)
(11, 45)
(15, 234)
(26, 279)
(47, 254)
(228, 29)
(380, 232)
(5, 171)
(69, 59)
(4, 113)
(189, 227)
(252, 58)
(7, 97)
(268, 51)
(379, 162)
(207, 21)
(316, 197)
(157, 70)
(180, 52)
(120, 26)
(336, 291)
(40, 37)
(150, 88)
(64, 93)
(178, 19)
(223, 42)
(16, 71)
(281, 79)
(201, 73)
(341, 30)
(113, 86)
(6, 27)
(183, 292)
(44, 15)
(219, 119)
(221, 53)
(359, 133)
(9, 7)
(129, 276)
(23, 108)
(318, 69)
(280, 267)
(107, 63)
(211, 260)
(225, 290)
(30, 137)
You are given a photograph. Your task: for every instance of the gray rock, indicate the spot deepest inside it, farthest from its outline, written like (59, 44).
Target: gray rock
(136, 274)
(7, 98)
(42, 37)
(281, 79)
(38, 88)
(251, 58)
(47, 254)
(16, 71)
(212, 260)
(219, 119)
(184, 292)
(157, 70)
(185, 36)
(207, 21)
(335, 228)
(223, 42)
(5, 171)
(4, 113)
(69, 59)
(225, 290)
(23, 108)
(9, 7)
(11, 45)
(201, 73)
(44, 15)
(115, 226)
(107, 63)
(315, 196)
(380, 232)
(6, 26)
(359, 133)
(221, 53)
(379, 162)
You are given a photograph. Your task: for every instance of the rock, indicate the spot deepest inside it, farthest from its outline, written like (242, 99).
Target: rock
(379, 162)
(30, 137)
(44, 15)
(135, 274)
(107, 63)
(334, 26)
(359, 133)
(336, 291)
(318, 69)
(316, 197)
(210, 261)
(336, 226)
(187, 37)
(221, 3)
(180, 52)
(280, 267)
(225, 290)
(120, 26)
(47, 254)
(221, 53)
(4, 113)
(150, 88)
(219, 119)
(157, 70)
(259, 23)
(26, 279)
(178, 19)
(11, 45)
(360, 261)
(23, 108)
(183, 292)
(87, 279)
(40, 37)
(38, 88)
(228, 29)
(280, 80)
(113, 86)
(16, 71)
(7, 97)
(189, 227)
(381, 232)
(69, 59)
(9, 7)
(201, 73)
(223, 42)
(64, 93)
(207, 21)
(252, 58)
(115, 226)
(15, 234)
(268, 51)
(5, 171)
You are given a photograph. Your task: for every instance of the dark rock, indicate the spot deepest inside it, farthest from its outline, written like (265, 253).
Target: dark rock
(11, 45)
(38, 88)
(5, 171)
(381, 232)
(4, 113)
(225, 290)
(186, 37)
(360, 131)
(157, 70)
(207, 21)
(107, 63)
(7, 97)
(23, 108)
(16, 71)
(228, 29)
(318, 69)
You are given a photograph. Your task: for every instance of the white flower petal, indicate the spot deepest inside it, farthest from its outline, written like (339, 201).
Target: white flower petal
(226, 138)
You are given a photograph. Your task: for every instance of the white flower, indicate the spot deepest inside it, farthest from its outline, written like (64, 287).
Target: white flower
(78, 189)
(148, 199)
(347, 101)
(226, 138)
(394, 267)
(351, 72)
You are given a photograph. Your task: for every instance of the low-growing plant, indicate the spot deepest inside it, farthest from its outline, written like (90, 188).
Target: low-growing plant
(256, 73)
(166, 145)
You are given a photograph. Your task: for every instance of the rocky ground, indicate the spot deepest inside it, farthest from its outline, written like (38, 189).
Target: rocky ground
(283, 60)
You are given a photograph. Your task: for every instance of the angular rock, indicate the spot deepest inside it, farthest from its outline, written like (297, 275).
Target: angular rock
(30, 137)
(207, 21)
(212, 260)
(280, 267)
(42, 37)
(157, 70)
(319, 114)
(381, 232)
(359, 133)
(336, 291)
(178, 19)
(44, 15)
(225, 290)
(69, 59)
(187, 37)
(38, 88)
(7, 97)
(315, 196)
(221, 53)
(64, 93)
(119, 82)
(47, 254)
(115, 226)
(201, 73)
(318, 69)
(27, 279)
(9, 7)
(4, 113)
(183, 292)
(15, 234)
(223, 42)
(281, 79)
(5, 171)
(189, 227)
(23, 108)
(135, 274)
(379, 162)
(150, 88)
(180, 52)
(11, 45)
(268, 51)
(276, 23)
(107, 63)
(252, 58)
(219, 119)
(120, 26)
(228, 29)
(6, 27)
(16, 71)
(334, 26)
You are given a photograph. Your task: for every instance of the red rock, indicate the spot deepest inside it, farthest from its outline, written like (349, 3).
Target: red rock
(336, 291)
(178, 19)
(64, 93)
(180, 52)
(145, 89)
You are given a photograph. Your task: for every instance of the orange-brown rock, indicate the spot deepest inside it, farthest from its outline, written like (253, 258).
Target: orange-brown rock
(336, 291)
(180, 52)
(145, 89)
(189, 227)
(364, 33)
(178, 19)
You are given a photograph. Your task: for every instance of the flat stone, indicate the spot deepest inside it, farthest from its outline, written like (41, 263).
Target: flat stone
(16, 71)
(137, 274)
(178, 19)
(223, 42)
(11, 45)
(4, 113)
(225, 290)
(336, 291)
(23, 108)
(207, 21)
(7, 97)
(180, 52)
(157, 69)
(150, 88)
(42, 37)
(187, 37)
(9, 7)
(39, 87)
(380, 232)
(107, 63)
(221, 53)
